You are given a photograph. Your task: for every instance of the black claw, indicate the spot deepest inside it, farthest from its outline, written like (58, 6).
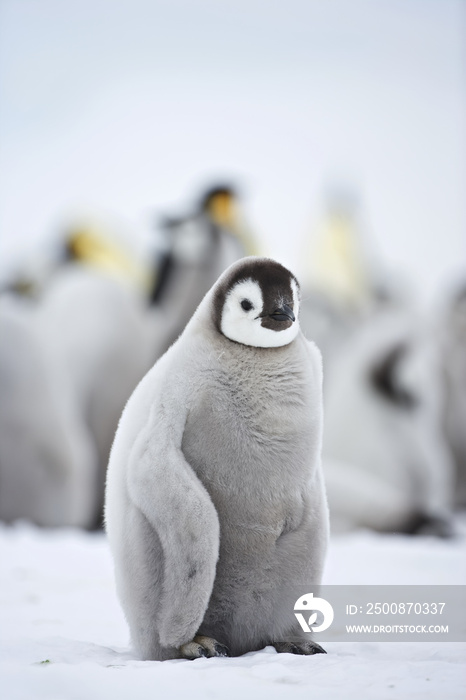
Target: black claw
(294, 649)
(221, 650)
(304, 649)
(202, 652)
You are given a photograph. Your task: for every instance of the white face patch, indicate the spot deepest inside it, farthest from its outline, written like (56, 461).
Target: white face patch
(241, 320)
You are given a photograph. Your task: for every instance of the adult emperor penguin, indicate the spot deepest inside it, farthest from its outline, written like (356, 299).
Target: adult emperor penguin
(386, 463)
(97, 328)
(215, 502)
(198, 248)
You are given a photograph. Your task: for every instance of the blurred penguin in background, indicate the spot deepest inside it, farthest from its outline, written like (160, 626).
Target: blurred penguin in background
(197, 248)
(386, 463)
(28, 279)
(453, 340)
(88, 242)
(343, 283)
(122, 316)
(47, 458)
(339, 264)
(93, 313)
(93, 246)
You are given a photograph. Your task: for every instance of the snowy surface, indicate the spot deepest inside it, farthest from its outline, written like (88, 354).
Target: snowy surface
(63, 635)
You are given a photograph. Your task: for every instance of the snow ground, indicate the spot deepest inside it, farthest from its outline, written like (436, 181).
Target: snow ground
(63, 636)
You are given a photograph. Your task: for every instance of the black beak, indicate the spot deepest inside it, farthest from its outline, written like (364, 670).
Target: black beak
(284, 313)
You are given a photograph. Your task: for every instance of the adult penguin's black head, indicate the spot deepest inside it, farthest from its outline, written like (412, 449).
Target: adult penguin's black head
(220, 204)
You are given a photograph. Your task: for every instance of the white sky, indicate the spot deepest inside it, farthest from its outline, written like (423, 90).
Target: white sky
(128, 107)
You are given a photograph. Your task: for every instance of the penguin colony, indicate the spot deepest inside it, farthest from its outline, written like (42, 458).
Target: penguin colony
(215, 503)
(98, 318)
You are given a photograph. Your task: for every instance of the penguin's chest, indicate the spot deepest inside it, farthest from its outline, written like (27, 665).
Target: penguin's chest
(248, 437)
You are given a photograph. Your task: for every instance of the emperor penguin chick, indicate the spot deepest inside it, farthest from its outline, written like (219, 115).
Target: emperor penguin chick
(215, 502)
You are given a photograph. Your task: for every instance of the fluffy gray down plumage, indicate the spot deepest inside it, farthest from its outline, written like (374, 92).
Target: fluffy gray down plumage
(215, 503)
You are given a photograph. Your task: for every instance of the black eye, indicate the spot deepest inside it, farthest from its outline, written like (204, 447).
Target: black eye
(246, 305)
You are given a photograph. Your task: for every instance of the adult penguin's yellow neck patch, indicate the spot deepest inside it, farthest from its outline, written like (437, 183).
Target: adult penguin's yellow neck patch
(223, 209)
(89, 246)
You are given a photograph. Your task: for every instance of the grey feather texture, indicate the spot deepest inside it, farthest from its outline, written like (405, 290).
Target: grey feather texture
(215, 504)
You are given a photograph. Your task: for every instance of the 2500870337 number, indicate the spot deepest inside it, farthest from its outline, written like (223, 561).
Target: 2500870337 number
(404, 608)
